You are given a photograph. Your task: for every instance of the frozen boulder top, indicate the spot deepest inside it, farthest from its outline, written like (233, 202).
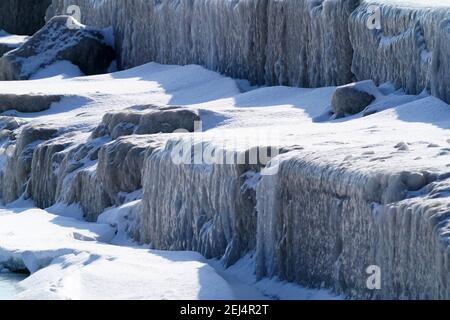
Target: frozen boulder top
(62, 38)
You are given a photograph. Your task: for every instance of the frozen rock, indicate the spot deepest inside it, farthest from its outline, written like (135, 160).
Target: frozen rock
(62, 38)
(289, 42)
(344, 221)
(121, 162)
(23, 16)
(27, 102)
(18, 167)
(304, 43)
(350, 99)
(208, 208)
(147, 120)
(411, 49)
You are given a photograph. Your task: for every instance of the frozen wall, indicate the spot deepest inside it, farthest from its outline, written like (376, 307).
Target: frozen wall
(411, 49)
(306, 43)
(23, 16)
(266, 41)
(218, 219)
(323, 227)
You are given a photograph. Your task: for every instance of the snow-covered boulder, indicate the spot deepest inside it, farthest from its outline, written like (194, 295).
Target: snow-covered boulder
(147, 120)
(27, 102)
(351, 99)
(290, 42)
(23, 16)
(62, 38)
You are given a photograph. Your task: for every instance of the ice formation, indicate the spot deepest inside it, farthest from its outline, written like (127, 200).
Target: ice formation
(306, 43)
(369, 189)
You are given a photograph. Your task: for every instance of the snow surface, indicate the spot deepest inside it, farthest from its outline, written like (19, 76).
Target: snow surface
(69, 258)
(11, 40)
(58, 70)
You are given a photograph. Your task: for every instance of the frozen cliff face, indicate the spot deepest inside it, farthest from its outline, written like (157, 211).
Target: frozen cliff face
(16, 173)
(218, 219)
(323, 225)
(290, 42)
(411, 48)
(23, 16)
(306, 43)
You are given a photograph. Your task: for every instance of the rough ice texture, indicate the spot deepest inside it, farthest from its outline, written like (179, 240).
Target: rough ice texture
(23, 16)
(331, 211)
(62, 38)
(289, 42)
(217, 220)
(301, 43)
(411, 49)
(323, 226)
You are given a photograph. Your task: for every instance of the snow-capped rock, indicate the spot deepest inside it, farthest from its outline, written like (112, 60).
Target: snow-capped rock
(61, 39)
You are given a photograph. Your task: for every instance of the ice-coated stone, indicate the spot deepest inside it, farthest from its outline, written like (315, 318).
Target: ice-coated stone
(411, 49)
(350, 99)
(27, 102)
(308, 42)
(23, 16)
(323, 226)
(62, 38)
(10, 42)
(287, 42)
(203, 207)
(121, 163)
(149, 119)
(292, 42)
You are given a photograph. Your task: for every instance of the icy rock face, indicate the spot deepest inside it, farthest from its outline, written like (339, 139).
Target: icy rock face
(341, 222)
(27, 102)
(16, 173)
(288, 42)
(62, 38)
(121, 163)
(411, 49)
(308, 43)
(92, 173)
(350, 99)
(148, 119)
(23, 16)
(201, 207)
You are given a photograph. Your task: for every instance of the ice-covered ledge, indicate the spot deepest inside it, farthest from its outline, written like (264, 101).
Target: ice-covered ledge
(412, 48)
(298, 43)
